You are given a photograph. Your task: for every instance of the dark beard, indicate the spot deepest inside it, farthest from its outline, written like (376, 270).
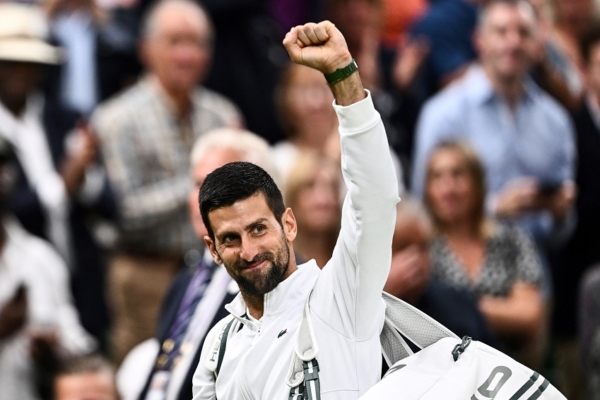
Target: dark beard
(262, 284)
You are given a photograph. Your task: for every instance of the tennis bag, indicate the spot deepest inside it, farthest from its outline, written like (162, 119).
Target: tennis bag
(447, 368)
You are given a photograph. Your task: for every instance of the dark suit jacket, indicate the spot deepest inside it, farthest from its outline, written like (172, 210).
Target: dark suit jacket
(167, 318)
(583, 249)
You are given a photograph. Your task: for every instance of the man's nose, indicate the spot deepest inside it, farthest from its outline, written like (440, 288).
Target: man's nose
(249, 250)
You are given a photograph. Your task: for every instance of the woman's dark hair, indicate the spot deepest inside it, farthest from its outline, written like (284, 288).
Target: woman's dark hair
(234, 182)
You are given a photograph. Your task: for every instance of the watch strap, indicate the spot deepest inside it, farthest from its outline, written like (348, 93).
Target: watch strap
(342, 73)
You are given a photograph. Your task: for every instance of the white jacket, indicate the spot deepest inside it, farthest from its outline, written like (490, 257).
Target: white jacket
(346, 305)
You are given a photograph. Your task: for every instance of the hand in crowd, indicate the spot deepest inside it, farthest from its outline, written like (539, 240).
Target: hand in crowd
(517, 196)
(560, 202)
(410, 58)
(409, 274)
(14, 314)
(81, 152)
(523, 195)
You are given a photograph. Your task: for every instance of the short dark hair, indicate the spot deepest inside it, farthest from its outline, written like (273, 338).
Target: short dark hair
(234, 182)
(589, 39)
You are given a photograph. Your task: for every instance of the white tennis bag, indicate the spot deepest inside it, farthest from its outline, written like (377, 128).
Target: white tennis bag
(447, 368)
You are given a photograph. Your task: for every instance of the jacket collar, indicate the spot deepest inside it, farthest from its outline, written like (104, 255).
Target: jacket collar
(295, 289)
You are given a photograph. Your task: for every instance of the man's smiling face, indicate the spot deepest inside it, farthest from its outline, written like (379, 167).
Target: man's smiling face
(252, 245)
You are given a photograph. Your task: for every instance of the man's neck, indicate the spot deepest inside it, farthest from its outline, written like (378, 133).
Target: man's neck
(255, 304)
(180, 101)
(511, 89)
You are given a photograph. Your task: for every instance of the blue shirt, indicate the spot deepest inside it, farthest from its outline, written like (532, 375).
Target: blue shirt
(534, 140)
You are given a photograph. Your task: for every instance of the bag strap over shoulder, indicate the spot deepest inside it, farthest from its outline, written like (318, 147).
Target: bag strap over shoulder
(223, 345)
(401, 318)
(411, 322)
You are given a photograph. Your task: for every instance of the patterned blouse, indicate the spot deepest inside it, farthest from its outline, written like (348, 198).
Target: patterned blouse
(510, 256)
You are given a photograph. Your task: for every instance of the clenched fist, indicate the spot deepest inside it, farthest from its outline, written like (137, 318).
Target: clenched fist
(320, 46)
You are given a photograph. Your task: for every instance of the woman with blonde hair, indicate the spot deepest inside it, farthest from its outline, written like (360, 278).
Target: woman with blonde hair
(312, 190)
(496, 262)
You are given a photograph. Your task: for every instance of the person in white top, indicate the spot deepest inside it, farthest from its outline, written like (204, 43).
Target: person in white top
(37, 315)
(251, 234)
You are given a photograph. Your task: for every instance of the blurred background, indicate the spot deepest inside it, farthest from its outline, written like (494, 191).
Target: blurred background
(112, 112)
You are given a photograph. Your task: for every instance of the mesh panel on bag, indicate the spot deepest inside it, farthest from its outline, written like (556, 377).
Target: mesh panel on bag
(393, 346)
(420, 328)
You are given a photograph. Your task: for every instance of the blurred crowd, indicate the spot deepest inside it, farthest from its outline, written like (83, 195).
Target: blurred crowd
(112, 113)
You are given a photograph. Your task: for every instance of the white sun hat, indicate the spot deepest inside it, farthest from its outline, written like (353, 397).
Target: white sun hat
(23, 35)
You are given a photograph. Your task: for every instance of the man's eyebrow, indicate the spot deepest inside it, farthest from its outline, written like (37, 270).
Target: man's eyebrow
(254, 223)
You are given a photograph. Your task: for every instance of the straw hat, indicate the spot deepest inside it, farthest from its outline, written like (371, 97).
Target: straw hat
(23, 35)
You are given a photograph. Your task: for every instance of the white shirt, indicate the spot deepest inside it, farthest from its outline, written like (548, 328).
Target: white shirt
(346, 306)
(26, 134)
(28, 260)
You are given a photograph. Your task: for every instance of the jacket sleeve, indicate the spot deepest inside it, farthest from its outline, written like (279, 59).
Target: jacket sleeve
(348, 293)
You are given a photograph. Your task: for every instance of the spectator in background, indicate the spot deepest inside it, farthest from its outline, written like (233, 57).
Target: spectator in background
(248, 59)
(448, 27)
(145, 135)
(554, 71)
(101, 53)
(410, 277)
(582, 250)
(88, 377)
(589, 334)
(304, 105)
(360, 22)
(388, 73)
(312, 190)
(398, 17)
(195, 302)
(38, 321)
(523, 137)
(495, 262)
(59, 191)
(572, 18)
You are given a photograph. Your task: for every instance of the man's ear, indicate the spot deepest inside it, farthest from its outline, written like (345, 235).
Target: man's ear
(290, 227)
(213, 252)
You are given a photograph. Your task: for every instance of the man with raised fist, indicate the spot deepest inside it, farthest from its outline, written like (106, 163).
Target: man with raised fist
(248, 354)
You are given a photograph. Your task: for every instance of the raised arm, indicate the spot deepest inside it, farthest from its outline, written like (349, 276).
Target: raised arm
(348, 293)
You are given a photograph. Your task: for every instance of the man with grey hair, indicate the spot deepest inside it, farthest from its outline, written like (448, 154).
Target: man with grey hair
(145, 135)
(195, 302)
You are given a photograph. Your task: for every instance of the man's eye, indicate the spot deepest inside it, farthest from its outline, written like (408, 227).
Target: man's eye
(258, 229)
(228, 239)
